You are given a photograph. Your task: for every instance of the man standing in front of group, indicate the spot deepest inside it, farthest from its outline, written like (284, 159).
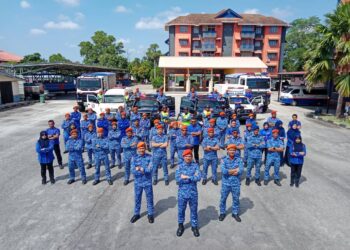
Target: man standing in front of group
(74, 146)
(195, 130)
(159, 143)
(141, 167)
(274, 148)
(100, 148)
(210, 146)
(231, 168)
(187, 175)
(53, 134)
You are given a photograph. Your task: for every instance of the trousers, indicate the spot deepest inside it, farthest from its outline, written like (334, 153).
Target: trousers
(49, 167)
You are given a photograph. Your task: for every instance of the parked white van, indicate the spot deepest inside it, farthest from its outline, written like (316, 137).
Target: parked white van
(299, 95)
(112, 99)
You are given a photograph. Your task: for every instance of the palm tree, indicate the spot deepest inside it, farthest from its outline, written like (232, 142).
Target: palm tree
(330, 59)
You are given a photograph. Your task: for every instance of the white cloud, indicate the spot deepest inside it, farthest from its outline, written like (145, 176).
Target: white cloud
(62, 25)
(62, 17)
(282, 13)
(251, 11)
(35, 31)
(121, 9)
(24, 4)
(158, 21)
(123, 40)
(69, 2)
(79, 16)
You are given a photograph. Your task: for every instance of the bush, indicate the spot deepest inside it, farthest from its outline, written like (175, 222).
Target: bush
(157, 82)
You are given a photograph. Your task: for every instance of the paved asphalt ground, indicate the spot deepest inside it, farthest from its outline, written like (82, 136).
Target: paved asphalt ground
(61, 216)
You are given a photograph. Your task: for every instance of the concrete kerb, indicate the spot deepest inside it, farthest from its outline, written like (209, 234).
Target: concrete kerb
(311, 115)
(13, 105)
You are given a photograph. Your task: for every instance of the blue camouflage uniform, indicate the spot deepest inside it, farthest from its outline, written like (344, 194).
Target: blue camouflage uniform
(188, 192)
(272, 121)
(137, 131)
(181, 142)
(172, 135)
(153, 132)
(134, 116)
(210, 157)
(251, 121)
(273, 158)
(267, 134)
(216, 133)
(92, 118)
(161, 98)
(75, 158)
(247, 134)
(109, 117)
(143, 181)
(128, 152)
(123, 124)
(222, 123)
(238, 124)
(230, 183)
(206, 120)
(236, 141)
(145, 125)
(255, 145)
(76, 116)
(89, 136)
(159, 157)
(114, 138)
(84, 129)
(66, 129)
(100, 148)
(103, 123)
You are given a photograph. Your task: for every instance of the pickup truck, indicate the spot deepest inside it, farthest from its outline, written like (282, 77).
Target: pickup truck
(243, 107)
(112, 99)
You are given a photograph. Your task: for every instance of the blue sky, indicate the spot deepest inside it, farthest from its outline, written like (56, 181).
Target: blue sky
(52, 26)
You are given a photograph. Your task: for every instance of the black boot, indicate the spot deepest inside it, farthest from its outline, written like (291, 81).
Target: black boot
(297, 184)
(236, 217)
(155, 182)
(61, 166)
(265, 182)
(204, 182)
(110, 182)
(112, 166)
(70, 181)
(277, 182)
(222, 217)
(126, 182)
(195, 231)
(89, 166)
(43, 181)
(172, 166)
(52, 181)
(180, 230)
(150, 219)
(215, 182)
(135, 218)
(257, 181)
(247, 181)
(291, 183)
(96, 182)
(166, 183)
(84, 181)
(119, 166)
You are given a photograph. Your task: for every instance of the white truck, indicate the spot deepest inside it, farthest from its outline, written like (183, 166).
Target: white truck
(91, 84)
(112, 99)
(245, 84)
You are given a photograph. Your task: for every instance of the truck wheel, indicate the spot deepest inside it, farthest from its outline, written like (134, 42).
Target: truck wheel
(294, 103)
(81, 108)
(264, 109)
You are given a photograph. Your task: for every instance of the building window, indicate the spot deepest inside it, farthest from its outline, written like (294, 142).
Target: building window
(183, 54)
(183, 29)
(273, 43)
(271, 69)
(196, 45)
(183, 42)
(257, 44)
(209, 29)
(247, 28)
(272, 56)
(195, 30)
(196, 54)
(258, 30)
(273, 29)
(246, 54)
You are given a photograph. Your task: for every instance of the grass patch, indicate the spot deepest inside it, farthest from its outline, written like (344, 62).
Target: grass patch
(337, 121)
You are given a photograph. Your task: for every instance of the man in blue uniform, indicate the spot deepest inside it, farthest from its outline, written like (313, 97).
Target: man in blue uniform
(136, 128)
(192, 95)
(53, 134)
(235, 139)
(110, 117)
(66, 127)
(274, 147)
(134, 114)
(234, 118)
(114, 138)
(222, 123)
(92, 117)
(294, 121)
(123, 124)
(266, 133)
(272, 119)
(89, 136)
(255, 146)
(195, 130)
(74, 146)
(145, 125)
(247, 133)
(187, 175)
(183, 142)
(210, 146)
(102, 122)
(84, 127)
(232, 169)
(161, 98)
(216, 130)
(159, 144)
(129, 144)
(141, 167)
(101, 149)
(76, 116)
(251, 120)
(173, 133)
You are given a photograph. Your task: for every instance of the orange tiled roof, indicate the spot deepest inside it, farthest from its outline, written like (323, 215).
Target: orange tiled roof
(8, 57)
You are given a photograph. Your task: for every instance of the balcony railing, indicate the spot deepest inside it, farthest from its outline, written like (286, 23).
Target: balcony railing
(209, 34)
(208, 47)
(248, 35)
(258, 48)
(196, 47)
(196, 35)
(245, 47)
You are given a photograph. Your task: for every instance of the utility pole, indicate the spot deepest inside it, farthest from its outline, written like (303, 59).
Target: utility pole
(154, 69)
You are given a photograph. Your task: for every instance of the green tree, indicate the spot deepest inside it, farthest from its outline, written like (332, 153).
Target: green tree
(301, 36)
(103, 50)
(330, 59)
(33, 58)
(54, 58)
(153, 53)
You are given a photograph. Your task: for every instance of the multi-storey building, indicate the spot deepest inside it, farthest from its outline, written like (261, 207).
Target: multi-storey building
(229, 34)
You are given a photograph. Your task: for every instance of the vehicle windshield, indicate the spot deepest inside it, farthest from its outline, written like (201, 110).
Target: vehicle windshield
(258, 83)
(114, 99)
(241, 100)
(88, 84)
(212, 103)
(287, 90)
(147, 103)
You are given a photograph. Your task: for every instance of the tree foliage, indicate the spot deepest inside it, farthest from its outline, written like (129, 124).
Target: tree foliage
(301, 37)
(33, 58)
(54, 58)
(103, 50)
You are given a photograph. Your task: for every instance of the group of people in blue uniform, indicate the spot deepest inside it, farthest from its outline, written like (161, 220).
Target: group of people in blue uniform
(122, 140)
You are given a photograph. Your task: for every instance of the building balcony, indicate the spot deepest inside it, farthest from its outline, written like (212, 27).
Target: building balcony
(209, 34)
(250, 35)
(208, 47)
(257, 48)
(259, 36)
(245, 47)
(196, 36)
